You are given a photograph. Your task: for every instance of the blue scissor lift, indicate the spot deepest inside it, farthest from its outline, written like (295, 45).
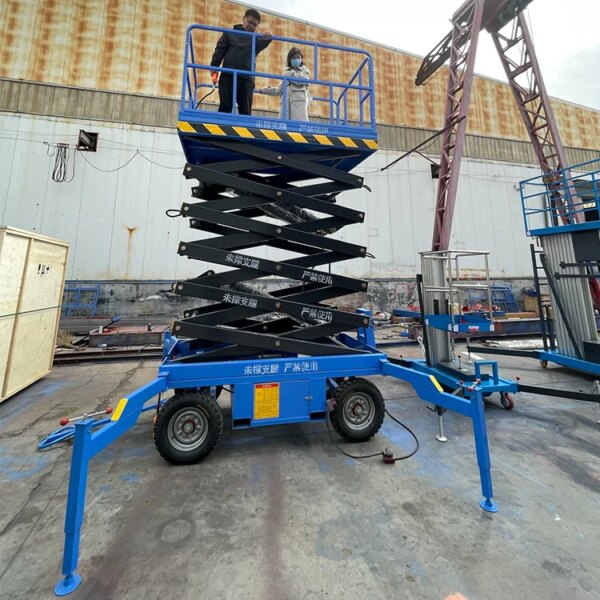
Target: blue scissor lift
(262, 326)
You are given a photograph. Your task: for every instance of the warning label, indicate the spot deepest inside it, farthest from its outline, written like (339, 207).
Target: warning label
(266, 401)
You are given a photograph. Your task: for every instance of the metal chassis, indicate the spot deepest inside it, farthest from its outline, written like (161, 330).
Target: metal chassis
(88, 443)
(488, 383)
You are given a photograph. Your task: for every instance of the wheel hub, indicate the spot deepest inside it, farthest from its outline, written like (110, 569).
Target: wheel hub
(359, 411)
(188, 429)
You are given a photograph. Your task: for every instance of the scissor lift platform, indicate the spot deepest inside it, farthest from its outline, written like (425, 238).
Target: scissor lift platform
(199, 132)
(283, 351)
(344, 109)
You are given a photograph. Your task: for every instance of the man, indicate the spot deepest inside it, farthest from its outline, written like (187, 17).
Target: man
(235, 52)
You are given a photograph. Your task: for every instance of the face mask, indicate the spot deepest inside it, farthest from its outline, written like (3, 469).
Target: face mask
(296, 62)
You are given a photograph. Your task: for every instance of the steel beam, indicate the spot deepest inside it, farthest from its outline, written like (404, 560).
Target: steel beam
(466, 25)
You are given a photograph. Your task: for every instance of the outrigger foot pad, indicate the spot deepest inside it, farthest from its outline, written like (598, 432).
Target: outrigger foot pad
(488, 505)
(67, 584)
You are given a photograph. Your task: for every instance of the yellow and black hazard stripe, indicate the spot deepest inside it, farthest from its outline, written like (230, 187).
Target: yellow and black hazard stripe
(276, 135)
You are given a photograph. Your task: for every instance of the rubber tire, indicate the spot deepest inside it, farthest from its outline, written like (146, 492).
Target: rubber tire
(507, 401)
(342, 394)
(212, 412)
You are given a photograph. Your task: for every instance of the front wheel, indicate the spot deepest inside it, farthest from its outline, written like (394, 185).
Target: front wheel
(359, 409)
(507, 401)
(188, 427)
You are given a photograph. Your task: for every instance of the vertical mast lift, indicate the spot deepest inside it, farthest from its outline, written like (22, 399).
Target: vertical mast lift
(262, 326)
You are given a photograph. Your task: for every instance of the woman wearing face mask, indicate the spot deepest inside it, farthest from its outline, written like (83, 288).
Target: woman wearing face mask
(298, 96)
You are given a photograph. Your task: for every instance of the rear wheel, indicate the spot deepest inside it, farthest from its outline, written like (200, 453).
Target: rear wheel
(359, 409)
(188, 427)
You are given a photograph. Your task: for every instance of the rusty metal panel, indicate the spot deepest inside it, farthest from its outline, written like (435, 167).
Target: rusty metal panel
(136, 46)
(17, 26)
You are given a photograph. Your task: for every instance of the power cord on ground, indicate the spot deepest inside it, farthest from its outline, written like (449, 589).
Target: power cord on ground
(387, 453)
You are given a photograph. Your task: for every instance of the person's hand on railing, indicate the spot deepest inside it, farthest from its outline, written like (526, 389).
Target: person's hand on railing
(267, 35)
(215, 77)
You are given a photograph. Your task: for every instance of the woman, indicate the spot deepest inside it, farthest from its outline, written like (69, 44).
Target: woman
(298, 96)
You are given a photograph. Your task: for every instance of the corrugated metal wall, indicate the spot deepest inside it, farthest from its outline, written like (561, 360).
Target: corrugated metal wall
(136, 46)
(574, 295)
(113, 213)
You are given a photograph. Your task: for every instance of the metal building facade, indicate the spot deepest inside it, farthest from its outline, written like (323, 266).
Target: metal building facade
(112, 212)
(136, 46)
(114, 67)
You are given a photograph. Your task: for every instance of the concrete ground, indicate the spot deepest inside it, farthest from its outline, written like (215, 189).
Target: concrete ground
(278, 513)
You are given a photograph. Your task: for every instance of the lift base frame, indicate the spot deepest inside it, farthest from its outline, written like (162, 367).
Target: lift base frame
(88, 443)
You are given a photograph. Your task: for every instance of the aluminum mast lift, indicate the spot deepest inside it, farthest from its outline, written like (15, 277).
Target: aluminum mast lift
(260, 325)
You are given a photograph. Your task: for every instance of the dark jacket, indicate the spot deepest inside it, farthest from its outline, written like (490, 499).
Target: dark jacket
(235, 51)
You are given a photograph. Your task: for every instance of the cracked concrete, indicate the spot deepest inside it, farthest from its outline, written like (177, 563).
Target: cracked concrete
(278, 513)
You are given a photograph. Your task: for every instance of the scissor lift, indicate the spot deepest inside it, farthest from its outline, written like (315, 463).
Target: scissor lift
(262, 325)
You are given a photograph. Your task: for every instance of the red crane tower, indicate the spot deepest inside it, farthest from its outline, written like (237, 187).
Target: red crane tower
(519, 60)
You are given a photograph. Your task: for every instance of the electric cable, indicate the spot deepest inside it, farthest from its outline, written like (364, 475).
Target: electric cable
(149, 346)
(60, 152)
(427, 158)
(214, 87)
(424, 143)
(137, 153)
(178, 167)
(30, 136)
(387, 412)
(380, 453)
(388, 459)
(110, 170)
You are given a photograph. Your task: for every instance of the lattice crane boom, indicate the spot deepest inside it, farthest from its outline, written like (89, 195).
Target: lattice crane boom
(517, 54)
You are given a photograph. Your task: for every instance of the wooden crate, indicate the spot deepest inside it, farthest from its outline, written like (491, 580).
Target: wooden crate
(531, 302)
(32, 276)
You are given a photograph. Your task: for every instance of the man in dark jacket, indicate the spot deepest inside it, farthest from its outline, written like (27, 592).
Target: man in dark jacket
(235, 52)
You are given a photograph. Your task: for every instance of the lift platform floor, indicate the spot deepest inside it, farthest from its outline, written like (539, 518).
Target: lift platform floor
(279, 513)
